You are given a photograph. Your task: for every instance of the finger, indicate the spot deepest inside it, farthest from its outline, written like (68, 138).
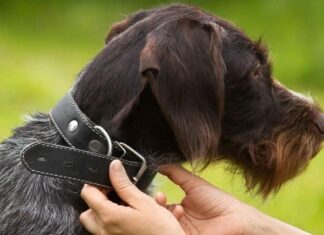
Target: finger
(161, 199)
(104, 191)
(125, 189)
(178, 212)
(89, 221)
(96, 200)
(182, 177)
(171, 207)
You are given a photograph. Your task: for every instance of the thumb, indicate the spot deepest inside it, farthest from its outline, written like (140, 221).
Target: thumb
(125, 189)
(182, 177)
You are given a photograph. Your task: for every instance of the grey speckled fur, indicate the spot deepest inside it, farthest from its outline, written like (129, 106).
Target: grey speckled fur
(32, 204)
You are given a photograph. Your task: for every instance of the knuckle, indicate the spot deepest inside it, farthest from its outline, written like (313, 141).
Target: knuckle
(106, 220)
(125, 185)
(83, 193)
(109, 221)
(114, 218)
(83, 217)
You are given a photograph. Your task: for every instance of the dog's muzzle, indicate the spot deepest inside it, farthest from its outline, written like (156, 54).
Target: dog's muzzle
(85, 151)
(319, 123)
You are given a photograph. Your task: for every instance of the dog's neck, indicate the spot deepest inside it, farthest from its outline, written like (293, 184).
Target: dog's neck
(138, 121)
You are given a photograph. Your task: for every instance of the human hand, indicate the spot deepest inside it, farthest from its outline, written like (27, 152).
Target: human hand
(208, 210)
(142, 215)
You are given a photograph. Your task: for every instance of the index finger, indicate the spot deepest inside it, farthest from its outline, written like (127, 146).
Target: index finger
(96, 200)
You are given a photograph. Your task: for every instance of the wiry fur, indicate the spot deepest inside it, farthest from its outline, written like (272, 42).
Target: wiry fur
(32, 204)
(177, 84)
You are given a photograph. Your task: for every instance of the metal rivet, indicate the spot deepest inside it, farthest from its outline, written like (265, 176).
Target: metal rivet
(95, 146)
(73, 125)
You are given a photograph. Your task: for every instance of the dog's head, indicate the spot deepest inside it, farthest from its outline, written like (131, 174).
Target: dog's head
(181, 84)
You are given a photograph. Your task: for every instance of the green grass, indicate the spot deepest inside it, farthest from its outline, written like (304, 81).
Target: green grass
(43, 46)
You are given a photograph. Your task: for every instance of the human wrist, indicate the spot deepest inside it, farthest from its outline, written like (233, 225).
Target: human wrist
(264, 224)
(279, 227)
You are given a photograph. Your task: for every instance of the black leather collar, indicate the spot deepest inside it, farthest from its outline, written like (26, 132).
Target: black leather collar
(76, 128)
(86, 153)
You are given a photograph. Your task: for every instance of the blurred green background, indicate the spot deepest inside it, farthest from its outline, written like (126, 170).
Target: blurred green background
(44, 44)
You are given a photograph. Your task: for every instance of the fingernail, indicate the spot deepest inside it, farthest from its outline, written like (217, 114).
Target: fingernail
(116, 166)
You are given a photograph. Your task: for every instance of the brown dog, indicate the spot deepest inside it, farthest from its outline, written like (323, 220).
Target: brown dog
(177, 84)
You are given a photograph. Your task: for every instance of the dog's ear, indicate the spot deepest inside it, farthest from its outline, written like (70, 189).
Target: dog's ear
(123, 25)
(117, 28)
(183, 65)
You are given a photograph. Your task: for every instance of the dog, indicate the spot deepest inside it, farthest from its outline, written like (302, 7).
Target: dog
(178, 85)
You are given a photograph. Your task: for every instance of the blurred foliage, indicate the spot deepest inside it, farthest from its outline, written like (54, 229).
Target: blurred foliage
(44, 44)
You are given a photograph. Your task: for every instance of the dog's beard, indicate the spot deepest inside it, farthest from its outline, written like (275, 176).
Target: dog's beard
(278, 159)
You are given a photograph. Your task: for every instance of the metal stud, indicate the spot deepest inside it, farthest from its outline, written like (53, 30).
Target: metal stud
(73, 125)
(95, 146)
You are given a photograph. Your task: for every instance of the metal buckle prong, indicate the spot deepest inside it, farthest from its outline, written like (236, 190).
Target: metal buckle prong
(121, 148)
(139, 156)
(124, 147)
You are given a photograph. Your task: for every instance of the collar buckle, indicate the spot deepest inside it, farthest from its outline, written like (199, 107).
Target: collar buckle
(124, 147)
(143, 167)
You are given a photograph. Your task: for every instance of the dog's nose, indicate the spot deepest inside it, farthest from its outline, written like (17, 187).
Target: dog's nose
(319, 122)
